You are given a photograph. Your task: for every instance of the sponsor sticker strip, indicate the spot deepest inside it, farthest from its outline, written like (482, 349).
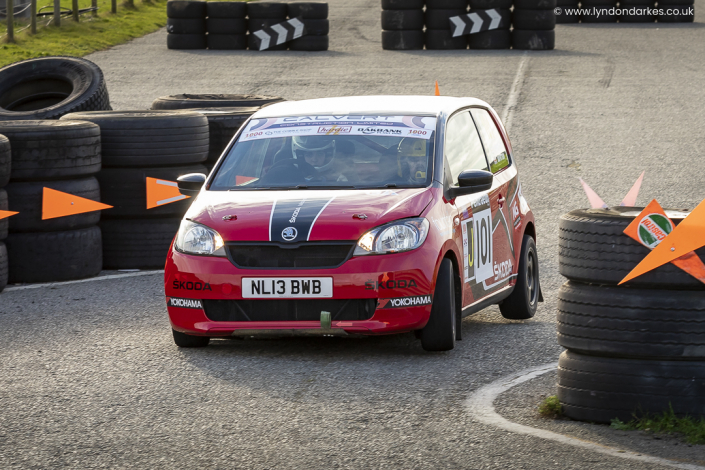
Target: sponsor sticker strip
(401, 302)
(184, 303)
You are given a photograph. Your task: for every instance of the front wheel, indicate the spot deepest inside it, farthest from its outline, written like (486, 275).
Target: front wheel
(522, 303)
(439, 332)
(183, 340)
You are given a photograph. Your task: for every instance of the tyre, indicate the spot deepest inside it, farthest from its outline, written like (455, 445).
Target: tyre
(4, 223)
(683, 14)
(3, 266)
(637, 18)
(440, 19)
(594, 18)
(137, 243)
(150, 138)
(223, 124)
(255, 24)
(185, 9)
(593, 248)
(523, 301)
(46, 150)
(668, 3)
(402, 40)
(487, 4)
(5, 160)
(402, 4)
(537, 20)
(183, 340)
(186, 41)
(600, 389)
(227, 41)
(26, 198)
(253, 45)
(266, 10)
(397, 20)
(54, 256)
(446, 4)
(565, 18)
(440, 332)
(623, 322)
(186, 101)
(533, 40)
(498, 39)
(309, 43)
(316, 27)
(535, 4)
(637, 3)
(442, 39)
(49, 87)
(308, 10)
(226, 26)
(226, 9)
(125, 190)
(185, 26)
(505, 23)
(598, 3)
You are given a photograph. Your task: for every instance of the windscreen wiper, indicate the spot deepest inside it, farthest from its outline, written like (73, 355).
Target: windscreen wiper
(305, 186)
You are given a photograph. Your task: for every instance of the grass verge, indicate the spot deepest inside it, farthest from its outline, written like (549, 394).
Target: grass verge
(692, 429)
(89, 35)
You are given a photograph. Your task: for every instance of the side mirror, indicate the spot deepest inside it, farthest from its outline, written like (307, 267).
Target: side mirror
(471, 182)
(191, 184)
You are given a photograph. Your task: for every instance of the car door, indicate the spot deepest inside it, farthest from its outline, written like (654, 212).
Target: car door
(503, 196)
(463, 151)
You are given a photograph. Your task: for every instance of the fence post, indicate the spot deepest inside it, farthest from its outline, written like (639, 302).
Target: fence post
(94, 5)
(57, 13)
(74, 7)
(10, 10)
(33, 21)
(113, 6)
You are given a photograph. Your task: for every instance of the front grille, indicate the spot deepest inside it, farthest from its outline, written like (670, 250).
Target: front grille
(300, 256)
(289, 310)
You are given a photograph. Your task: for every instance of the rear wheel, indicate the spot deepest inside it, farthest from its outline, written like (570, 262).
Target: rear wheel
(522, 303)
(183, 340)
(439, 333)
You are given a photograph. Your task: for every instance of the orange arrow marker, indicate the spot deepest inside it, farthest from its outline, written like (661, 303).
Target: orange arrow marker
(688, 236)
(57, 204)
(160, 192)
(5, 214)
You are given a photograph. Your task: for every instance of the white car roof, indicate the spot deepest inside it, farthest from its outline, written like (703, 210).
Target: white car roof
(372, 105)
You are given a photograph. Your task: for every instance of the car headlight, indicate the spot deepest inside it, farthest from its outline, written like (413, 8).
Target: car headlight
(197, 239)
(396, 237)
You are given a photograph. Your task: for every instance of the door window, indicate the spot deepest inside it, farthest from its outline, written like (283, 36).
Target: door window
(491, 139)
(463, 148)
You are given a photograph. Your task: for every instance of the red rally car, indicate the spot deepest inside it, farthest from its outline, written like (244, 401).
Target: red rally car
(355, 215)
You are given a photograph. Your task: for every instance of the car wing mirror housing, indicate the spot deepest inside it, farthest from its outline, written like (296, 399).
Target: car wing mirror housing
(191, 184)
(471, 182)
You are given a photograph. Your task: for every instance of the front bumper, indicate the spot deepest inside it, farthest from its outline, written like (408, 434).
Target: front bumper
(377, 278)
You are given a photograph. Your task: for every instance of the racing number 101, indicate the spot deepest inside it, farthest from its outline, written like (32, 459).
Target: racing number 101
(483, 246)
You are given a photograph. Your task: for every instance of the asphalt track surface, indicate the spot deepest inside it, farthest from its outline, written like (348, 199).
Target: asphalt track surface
(90, 377)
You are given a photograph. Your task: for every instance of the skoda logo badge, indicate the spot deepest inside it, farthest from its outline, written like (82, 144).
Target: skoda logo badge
(289, 234)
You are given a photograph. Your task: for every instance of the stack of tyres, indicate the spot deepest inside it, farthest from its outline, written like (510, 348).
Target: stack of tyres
(402, 25)
(214, 100)
(534, 24)
(599, 11)
(438, 33)
(567, 16)
(500, 38)
(637, 11)
(226, 25)
(63, 156)
(186, 24)
(315, 19)
(262, 14)
(635, 348)
(137, 145)
(5, 165)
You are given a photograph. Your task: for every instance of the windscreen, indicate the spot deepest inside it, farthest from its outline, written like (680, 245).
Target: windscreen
(302, 152)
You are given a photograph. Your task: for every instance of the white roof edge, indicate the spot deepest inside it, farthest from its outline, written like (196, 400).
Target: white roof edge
(382, 104)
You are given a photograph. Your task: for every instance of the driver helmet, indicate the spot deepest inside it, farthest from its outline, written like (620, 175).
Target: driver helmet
(307, 145)
(412, 152)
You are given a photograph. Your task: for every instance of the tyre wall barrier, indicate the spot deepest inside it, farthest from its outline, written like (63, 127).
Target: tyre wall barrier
(230, 25)
(624, 11)
(634, 348)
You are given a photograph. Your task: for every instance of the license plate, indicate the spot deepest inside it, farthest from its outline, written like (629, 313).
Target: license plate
(286, 287)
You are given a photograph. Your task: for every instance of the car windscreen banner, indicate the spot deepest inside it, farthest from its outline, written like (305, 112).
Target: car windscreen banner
(417, 127)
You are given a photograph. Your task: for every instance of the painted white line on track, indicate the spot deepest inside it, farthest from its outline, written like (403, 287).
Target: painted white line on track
(508, 113)
(481, 407)
(92, 279)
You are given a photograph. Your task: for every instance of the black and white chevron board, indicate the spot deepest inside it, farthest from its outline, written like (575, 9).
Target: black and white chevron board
(278, 34)
(476, 21)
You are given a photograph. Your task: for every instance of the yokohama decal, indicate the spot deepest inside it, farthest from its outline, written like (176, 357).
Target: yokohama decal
(184, 303)
(401, 302)
(292, 220)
